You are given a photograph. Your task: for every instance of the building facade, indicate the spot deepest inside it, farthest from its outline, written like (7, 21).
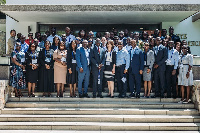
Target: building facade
(100, 16)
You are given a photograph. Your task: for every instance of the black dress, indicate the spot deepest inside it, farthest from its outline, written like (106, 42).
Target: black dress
(71, 63)
(46, 76)
(110, 61)
(31, 58)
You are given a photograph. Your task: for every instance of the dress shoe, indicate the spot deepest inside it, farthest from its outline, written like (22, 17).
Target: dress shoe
(137, 95)
(162, 96)
(108, 96)
(100, 96)
(119, 96)
(131, 95)
(81, 96)
(123, 96)
(86, 95)
(94, 96)
(111, 96)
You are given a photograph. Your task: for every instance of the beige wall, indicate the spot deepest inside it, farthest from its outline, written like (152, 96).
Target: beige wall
(192, 29)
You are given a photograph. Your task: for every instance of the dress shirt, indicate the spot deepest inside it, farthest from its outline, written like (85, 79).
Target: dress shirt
(87, 55)
(50, 38)
(157, 48)
(123, 58)
(69, 39)
(133, 51)
(128, 47)
(173, 57)
(24, 47)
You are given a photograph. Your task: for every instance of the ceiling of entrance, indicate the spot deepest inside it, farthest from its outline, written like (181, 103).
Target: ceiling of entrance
(100, 17)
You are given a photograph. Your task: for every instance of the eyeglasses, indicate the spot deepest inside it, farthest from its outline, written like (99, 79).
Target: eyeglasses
(32, 46)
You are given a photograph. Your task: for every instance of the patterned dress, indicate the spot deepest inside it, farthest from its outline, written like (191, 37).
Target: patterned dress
(184, 62)
(17, 75)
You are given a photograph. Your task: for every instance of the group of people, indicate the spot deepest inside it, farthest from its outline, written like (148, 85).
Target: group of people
(119, 58)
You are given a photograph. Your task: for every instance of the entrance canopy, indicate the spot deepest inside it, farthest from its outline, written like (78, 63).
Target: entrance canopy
(100, 14)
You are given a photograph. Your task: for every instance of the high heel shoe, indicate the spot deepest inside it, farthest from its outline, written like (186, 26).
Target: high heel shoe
(33, 95)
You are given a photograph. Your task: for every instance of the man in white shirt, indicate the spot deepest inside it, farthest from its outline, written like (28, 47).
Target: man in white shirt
(69, 36)
(171, 67)
(53, 34)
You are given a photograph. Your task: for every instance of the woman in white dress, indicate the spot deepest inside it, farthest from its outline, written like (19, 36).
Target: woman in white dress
(185, 77)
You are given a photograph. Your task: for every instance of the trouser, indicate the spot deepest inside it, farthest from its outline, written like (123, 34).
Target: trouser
(96, 86)
(159, 80)
(122, 86)
(84, 76)
(170, 81)
(135, 82)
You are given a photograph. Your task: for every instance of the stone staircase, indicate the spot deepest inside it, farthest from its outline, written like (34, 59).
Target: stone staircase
(40, 114)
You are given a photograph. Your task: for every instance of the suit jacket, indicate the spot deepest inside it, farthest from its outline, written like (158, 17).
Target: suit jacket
(97, 58)
(137, 62)
(81, 59)
(150, 59)
(69, 59)
(161, 57)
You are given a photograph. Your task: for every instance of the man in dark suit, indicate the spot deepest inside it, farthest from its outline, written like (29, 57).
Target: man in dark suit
(83, 62)
(97, 57)
(161, 56)
(135, 69)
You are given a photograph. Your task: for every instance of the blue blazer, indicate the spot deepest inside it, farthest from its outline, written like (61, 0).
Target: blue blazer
(97, 58)
(81, 59)
(161, 57)
(137, 61)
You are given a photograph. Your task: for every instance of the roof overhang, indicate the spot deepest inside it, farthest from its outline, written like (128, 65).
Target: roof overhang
(100, 14)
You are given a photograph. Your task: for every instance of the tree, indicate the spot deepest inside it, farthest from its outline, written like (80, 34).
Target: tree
(2, 2)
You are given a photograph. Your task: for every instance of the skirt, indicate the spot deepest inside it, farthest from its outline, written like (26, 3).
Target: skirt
(60, 74)
(109, 76)
(146, 76)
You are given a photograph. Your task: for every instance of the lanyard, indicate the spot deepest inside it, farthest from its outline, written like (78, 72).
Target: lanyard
(46, 53)
(32, 55)
(182, 58)
(172, 54)
(73, 54)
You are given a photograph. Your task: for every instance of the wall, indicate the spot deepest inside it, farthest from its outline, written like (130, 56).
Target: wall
(98, 2)
(192, 29)
(20, 27)
(3, 27)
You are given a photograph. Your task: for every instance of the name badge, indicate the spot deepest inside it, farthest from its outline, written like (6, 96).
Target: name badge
(34, 61)
(63, 59)
(48, 59)
(22, 60)
(107, 63)
(123, 79)
(73, 61)
(145, 63)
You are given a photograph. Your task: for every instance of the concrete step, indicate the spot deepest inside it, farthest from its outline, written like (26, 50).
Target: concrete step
(67, 94)
(99, 126)
(98, 104)
(71, 131)
(101, 118)
(98, 111)
(105, 99)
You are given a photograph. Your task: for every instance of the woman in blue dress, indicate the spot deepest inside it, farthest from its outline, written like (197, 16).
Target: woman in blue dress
(17, 72)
